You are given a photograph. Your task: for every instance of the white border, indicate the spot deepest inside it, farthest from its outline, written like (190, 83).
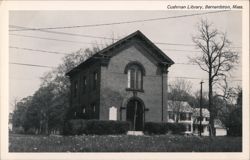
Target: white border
(5, 7)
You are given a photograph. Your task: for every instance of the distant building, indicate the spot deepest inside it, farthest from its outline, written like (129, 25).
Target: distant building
(220, 128)
(204, 121)
(182, 112)
(126, 81)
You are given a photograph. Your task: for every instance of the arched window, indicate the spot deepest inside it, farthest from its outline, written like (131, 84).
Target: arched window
(135, 72)
(135, 76)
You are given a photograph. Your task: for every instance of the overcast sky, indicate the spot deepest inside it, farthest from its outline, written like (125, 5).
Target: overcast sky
(25, 80)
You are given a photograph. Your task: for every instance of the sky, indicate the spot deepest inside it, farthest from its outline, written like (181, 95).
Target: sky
(25, 80)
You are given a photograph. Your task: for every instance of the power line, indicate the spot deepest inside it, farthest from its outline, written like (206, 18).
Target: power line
(165, 49)
(53, 52)
(91, 36)
(122, 22)
(44, 51)
(197, 51)
(194, 64)
(31, 65)
(65, 33)
(189, 78)
(80, 42)
(82, 35)
(181, 77)
(203, 78)
(43, 66)
(45, 38)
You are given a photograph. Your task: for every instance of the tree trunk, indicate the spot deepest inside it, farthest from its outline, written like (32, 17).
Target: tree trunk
(46, 126)
(211, 107)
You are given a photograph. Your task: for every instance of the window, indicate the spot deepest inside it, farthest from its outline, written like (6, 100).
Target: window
(202, 129)
(135, 72)
(189, 116)
(188, 127)
(95, 80)
(93, 110)
(134, 77)
(75, 88)
(207, 118)
(84, 84)
(195, 128)
(183, 117)
(199, 119)
(171, 115)
(83, 110)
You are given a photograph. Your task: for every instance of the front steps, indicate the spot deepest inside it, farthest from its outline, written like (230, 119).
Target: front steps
(135, 133)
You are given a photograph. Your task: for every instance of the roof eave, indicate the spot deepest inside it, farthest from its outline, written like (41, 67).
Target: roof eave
(166, 60)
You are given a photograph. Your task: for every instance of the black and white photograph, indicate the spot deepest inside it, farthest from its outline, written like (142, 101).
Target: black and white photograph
(127, 81)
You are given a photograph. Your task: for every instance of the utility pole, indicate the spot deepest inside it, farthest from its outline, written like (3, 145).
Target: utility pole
(200, 126)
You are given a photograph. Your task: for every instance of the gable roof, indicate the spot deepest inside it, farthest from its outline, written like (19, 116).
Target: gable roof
(218, 123)
(205, 112)
(105, 54)
(184, 106)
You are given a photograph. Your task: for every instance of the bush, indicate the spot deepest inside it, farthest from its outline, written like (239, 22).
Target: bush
(107, 127)
(177, 128)
(156, 128)
(75, 127)
(163, 128)
(235, 123)
(30, 131)
(18, 130)
(99, 127)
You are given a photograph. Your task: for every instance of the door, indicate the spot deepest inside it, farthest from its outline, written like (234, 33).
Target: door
(135, 115)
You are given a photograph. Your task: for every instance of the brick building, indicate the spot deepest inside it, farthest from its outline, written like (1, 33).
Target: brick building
(126, 81)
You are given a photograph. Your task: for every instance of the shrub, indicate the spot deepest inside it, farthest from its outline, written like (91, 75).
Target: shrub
(75, 127)
(177, 128)
(99, 127)
(18, 130)
(155, 128)
(163, 128)
(30, 131)
(107, 127)
(235, 123)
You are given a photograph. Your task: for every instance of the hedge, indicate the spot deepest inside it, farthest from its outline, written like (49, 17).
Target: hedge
(163, 128)
(234, 123)
(98, 127)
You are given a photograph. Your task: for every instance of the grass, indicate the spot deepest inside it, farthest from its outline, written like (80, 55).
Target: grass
(123, 143)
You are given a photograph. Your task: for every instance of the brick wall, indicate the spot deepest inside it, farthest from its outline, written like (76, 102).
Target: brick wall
(90, 96)
(114, 83)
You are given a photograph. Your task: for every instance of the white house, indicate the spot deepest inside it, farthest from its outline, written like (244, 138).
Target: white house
(219, 128)
(204, 121)
(182, 112)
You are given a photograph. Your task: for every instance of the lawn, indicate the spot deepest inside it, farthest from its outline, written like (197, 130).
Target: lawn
(123, 143)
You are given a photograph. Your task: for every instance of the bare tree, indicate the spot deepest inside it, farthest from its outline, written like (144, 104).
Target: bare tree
(228, 94)
(179, 91)
(217, 58)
